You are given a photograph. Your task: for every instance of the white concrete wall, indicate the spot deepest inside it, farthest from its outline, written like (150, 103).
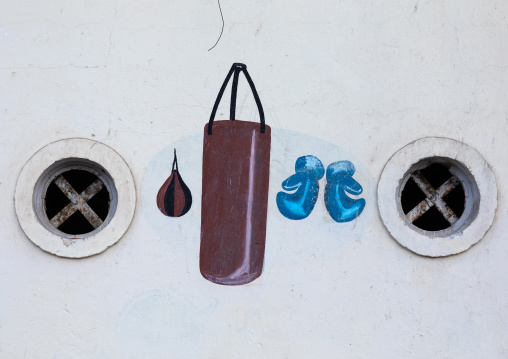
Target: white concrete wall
(340, 80)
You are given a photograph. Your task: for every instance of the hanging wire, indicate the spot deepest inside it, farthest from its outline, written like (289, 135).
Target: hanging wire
(222, 17)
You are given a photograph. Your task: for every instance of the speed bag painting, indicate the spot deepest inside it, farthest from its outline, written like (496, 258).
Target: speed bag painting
(174, 198)
(236, 169)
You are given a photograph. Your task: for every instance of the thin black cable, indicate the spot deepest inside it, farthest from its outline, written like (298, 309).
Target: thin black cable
(222, 17)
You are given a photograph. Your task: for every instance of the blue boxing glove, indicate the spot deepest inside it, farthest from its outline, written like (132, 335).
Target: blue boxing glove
(339, 181)
(299, 205)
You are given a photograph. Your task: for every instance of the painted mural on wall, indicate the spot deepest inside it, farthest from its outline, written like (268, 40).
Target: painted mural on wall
(309, 170)
(287, 241)
(174, 198)
(236, 169)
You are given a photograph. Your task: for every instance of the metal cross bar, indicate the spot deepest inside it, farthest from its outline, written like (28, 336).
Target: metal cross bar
(78, 202)
(434, 198)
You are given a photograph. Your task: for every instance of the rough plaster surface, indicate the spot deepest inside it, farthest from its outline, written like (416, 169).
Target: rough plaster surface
(361, 79)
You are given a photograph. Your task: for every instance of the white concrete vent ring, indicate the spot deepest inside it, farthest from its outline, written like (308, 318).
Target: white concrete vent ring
(75, 198)
(430, 223)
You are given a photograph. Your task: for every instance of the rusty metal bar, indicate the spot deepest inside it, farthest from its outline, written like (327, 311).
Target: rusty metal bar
(63, 215)
(67, 189)
(92, 190)
(447, 187)
(419, 210)
(446, 211)
(89, 213)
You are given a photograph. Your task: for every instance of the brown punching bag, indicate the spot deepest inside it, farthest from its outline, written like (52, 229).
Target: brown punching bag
(236, 170)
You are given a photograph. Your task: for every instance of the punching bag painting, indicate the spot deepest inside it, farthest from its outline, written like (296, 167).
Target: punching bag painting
(174, 198)
(236, 168)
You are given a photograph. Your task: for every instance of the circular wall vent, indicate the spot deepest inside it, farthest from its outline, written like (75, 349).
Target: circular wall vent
(75, 198)
(437, 196)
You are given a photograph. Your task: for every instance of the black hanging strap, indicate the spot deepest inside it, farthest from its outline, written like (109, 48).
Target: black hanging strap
(236, 69)
(219, 97)
(256, 97)
(234, 89)
(175, 162)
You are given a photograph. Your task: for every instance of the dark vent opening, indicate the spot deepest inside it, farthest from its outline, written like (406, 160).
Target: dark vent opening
(56, 200)
(79, 179)
(76, 224)
(411, 196)
(456, 200)
(436, 174)
(432, 220)
(100, 203)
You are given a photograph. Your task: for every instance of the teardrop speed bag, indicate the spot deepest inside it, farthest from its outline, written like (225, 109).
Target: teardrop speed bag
(174, 198)
(236, 170)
